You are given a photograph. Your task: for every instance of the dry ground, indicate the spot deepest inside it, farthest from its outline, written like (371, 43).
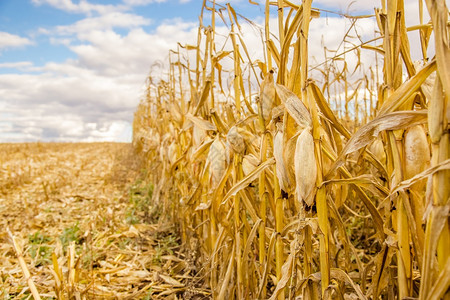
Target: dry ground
(86, 226)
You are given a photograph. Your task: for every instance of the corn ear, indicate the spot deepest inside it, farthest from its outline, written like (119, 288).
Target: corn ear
(249, 163)
(417, 151)
(267, 96)
(235, 140)
(305, 168)
(282, 173)
(217, 160)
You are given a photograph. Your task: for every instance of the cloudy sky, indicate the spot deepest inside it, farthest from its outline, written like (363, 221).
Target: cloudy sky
(75, 70)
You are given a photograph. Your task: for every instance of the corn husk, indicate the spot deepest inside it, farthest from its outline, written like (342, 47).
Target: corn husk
(417, 151)
(172, 152)
(235, 140)
(427, 85)
(305, 168)
(289, 157)
(217, 160)
(282, 172)
(176, 112)
(249, 163)
(267, 96)
(435, 108)
(377, 149)
(294, 106)
(198, 136)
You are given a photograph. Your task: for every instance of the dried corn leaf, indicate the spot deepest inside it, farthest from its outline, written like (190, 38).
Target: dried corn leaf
(201, 149)
(380, 279)
(441, 284)
(437, 219)
(427, 86)
(344, 277)
(198, 136)
(251, 238)
(289, 156)
(366, 181)
(170, 280)
(286, 275)
(445, 165)
(201, 123)
(326, 110)
(246, 180)
(436, 106)
(266, 269)
(377, 149)
(439, 15)
(203, 97)
(203, 206)
(227, 277)
(391, 121)
(407, 89)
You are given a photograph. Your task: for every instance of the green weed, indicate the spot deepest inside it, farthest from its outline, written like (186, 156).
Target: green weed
(40, 251)
(140, 209)
(71, 234)
(165, 247)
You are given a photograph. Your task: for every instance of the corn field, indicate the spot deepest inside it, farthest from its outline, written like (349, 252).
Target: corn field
(294, 180)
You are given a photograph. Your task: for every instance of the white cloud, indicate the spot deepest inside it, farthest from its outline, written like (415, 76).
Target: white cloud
(142, 2)
(85, 7)
(348, 6)
(44, 125)
(82, 6)
(106, 21)
(112, 54)
(8, 40)
(61, 41)
(228, 1)
(63, 106)
(89, 98)
(330, 32)
(117, 131)
(16, 65)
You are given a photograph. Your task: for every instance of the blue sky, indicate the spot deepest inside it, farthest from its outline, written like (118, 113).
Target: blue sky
(75, 70)
(23, 18)
(27, 18)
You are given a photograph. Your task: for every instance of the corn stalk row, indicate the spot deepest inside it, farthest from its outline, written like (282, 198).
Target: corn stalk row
(280, 190)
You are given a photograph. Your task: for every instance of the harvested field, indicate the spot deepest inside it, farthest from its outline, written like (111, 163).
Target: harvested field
(82, 219)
